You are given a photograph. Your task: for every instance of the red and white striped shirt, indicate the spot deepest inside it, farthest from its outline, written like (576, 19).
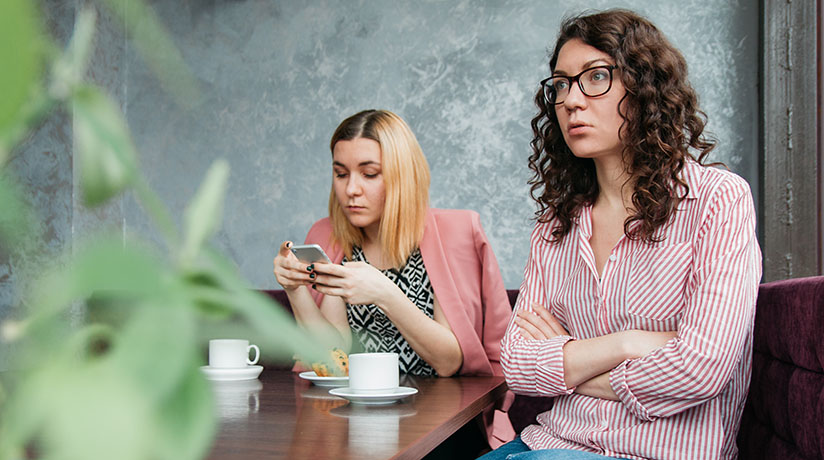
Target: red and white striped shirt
(681, 401)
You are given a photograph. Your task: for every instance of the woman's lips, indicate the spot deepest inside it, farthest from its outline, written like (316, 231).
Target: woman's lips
(577, 128)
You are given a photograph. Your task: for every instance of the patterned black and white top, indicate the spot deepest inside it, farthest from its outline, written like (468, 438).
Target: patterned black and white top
(373, 329)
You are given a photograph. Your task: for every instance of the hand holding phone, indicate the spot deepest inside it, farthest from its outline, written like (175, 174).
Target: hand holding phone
(310, 253)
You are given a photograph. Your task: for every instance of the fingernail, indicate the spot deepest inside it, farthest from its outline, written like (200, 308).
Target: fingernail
(312, 275)
(310, 268)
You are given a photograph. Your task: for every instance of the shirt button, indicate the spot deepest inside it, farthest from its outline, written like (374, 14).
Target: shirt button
(613, 257)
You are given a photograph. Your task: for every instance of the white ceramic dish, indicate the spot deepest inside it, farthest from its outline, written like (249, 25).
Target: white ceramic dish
(324, 381)
(387, 397)
(227, 374)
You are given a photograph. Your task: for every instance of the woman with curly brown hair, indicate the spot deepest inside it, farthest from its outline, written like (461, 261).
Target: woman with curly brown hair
(638, 299)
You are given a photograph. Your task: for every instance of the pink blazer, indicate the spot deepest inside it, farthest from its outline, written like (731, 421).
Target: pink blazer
(466, 280)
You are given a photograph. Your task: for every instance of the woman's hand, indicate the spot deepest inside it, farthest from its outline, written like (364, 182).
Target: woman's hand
(289, 271)
(540, 325)
(357, 283)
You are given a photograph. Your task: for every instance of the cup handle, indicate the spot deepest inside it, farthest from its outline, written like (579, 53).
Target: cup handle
(257, 354)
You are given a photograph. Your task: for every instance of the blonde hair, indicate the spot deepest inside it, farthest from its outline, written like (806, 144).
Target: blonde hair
(406, 181)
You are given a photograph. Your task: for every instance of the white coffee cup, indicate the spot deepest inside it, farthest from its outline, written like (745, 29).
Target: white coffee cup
(373, 372)
(231, 353)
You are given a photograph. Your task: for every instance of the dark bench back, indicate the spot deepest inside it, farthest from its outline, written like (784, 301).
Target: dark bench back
(784, 413)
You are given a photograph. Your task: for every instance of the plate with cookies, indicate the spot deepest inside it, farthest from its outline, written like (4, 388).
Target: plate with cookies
(331, 373)
(325, 381)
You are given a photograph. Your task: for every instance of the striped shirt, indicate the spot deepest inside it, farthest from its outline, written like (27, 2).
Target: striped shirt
(683, 400)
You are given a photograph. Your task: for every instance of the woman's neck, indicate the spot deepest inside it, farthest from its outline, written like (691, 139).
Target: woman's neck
(372, 248)
(615, 185)
(373, 252)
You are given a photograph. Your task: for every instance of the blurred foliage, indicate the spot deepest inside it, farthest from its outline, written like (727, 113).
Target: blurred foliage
(125, 382)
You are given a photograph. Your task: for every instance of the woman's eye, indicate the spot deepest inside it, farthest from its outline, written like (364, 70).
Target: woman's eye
(561, 85)
(599, 75)
(340, 175)
(371, 175)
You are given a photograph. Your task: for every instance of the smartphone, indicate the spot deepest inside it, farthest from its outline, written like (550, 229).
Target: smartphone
(310, 253)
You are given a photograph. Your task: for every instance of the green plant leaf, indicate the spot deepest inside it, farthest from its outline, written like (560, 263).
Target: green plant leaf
(107, 157)
(104, 270)
(21, 55)
(113, 277)
(70, 68)
(157, 49)
(96, 413)
(207, 295)
(77, 408)
(15, 219)
(205, 212)
(157, 345)
(278, 336)
(186, 422)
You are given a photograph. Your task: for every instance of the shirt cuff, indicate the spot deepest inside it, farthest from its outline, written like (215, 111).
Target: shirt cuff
(619, 384)
(550, 364)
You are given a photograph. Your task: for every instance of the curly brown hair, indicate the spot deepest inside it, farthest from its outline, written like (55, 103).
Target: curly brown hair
(662, 123)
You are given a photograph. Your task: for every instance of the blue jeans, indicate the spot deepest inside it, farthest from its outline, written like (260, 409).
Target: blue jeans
(517, 450)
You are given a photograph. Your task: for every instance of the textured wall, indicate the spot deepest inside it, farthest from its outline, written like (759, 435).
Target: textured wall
(278, 76)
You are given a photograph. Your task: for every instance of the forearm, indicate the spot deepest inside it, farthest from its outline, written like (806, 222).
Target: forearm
(588, 358)
(432, 341)
(598, 387)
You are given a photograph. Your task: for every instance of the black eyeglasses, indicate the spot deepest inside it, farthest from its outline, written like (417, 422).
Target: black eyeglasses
(594, 81)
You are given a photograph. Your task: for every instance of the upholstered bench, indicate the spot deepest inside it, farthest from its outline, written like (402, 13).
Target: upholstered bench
(784, 413)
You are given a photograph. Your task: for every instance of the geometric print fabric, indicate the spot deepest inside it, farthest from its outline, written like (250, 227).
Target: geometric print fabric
(373, 329)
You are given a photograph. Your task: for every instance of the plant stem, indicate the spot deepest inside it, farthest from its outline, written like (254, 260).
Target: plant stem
(154, 207)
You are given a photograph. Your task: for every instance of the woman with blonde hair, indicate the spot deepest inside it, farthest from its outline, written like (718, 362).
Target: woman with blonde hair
(405, 278)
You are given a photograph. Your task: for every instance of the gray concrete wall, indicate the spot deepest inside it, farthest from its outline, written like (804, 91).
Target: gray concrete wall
(278, 76)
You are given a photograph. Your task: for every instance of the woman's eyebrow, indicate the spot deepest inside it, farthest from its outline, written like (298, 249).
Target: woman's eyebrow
(587, 65)
(363, 163)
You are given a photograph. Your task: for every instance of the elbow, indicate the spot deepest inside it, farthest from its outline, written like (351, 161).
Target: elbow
(449, 362)
(447, 369)
(446, 372)
(706, 388)
(709, 380)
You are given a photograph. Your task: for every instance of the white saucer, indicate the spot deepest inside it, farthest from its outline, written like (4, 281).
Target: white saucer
(388, 397)
(324, 381)
(239, 373)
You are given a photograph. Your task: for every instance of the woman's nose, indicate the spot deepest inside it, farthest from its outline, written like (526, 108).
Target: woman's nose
(576, 98)
(353, 186)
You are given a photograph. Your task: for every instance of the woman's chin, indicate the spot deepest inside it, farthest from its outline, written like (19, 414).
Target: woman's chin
(360, 221)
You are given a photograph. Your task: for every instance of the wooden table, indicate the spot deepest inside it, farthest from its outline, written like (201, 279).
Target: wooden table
(283, 416)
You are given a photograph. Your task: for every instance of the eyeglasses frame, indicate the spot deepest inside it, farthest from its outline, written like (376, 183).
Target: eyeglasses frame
(577, 79)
